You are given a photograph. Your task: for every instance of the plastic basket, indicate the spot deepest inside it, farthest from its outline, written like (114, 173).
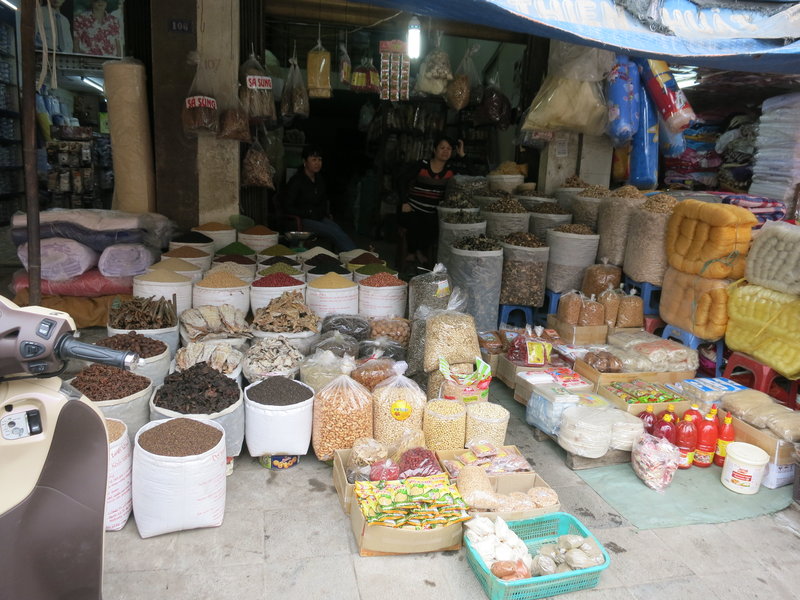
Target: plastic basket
(535, 533)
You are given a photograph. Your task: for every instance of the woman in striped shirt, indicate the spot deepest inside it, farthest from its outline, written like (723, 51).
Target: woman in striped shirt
(426, 186)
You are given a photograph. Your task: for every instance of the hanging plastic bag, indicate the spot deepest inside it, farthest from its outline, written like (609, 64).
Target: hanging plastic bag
(345, 65)
(199, 113)
(664, 93)
(398, 403)
(600, 277)
(295, 97)
(622, 94)
(256, 170)
(434, 71)
(318, 66)
(571, 96)
(273, 69)
(342, 414)
(644, 147)
(255, 92)
(234, 124)
(495, 108)
(322, 367)
(467, 67)
(457, 93)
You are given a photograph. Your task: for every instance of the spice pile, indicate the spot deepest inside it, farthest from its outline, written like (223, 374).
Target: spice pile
(205, 322)
(277, 250)
(186, 252)
(180, 437)
(382, 280)
(280, 260)
(243, 272)
(279, 391)
(332, 281)
(220, 279)
(236, 248)
(276, 279)
(239, 259)
(365, 258)
(477, 243)
(145, 347)
(258, 230)
(528, 240)
(199, 390)
(193, 237)
(101, 382)
(375, 268)
(142, 313)
(286, 314)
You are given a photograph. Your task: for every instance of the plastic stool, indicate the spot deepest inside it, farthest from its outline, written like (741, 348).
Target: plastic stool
(764, 376)
(651, 294)
(550, 307)
(653, 323)
(692, 341)
(506, 310)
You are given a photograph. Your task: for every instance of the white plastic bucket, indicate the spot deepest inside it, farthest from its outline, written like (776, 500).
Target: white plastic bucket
(168, 335)
(207, 247)
(744, 468)
(329, 301)
(258, 242)
(388, 301)
(231, 419)
(238, 297)
(278, 429)
(313, 276)
(159, 289)
(302, 341)
(221, 237)
(261, 296)
(251, 268)
(505, 183)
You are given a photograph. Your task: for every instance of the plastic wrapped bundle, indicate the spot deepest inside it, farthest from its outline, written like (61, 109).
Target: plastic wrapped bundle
(710, 240)
(625, 430)
(695, 304)
(125, 260)
(586, 431)
(774, 258)
(766, 325)
(546, 407)
(61, 258)
(655, 461)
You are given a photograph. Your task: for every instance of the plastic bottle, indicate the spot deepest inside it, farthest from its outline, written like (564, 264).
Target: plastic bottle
(665, 428)
(706, 441)
(648, 418)
(670, 410)
(694, 410)
(686, 441)
(725, 437)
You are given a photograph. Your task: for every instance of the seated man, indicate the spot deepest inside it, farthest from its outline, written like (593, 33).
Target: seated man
(305, 196)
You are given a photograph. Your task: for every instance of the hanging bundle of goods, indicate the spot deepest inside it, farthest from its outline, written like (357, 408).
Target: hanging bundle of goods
(395, 70)
(199, 113)
(255, 93)
(468, 69)
(318, 66)
(623, 92)
(294, 102)
(643, 157)
(571, 96)
(434, 71)
(366, 78)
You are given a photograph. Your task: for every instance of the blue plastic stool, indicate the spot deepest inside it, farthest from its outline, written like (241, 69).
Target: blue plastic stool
(507, 310)
(692, 341)
(550, 307)
(651, 294)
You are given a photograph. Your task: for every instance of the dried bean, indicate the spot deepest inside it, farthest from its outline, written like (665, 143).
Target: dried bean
(115, 430)
(396, 406)
(445, 424)
(527, 240)
(577, 229)
(549, 208)
(506, 205)
(486, 422)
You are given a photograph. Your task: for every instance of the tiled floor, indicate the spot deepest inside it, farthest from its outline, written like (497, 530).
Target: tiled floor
(285, 537)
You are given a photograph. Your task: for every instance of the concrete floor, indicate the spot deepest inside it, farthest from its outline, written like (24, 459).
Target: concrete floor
(285, 537)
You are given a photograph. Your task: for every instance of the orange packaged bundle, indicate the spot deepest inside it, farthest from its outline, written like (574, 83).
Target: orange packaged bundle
(530, 349)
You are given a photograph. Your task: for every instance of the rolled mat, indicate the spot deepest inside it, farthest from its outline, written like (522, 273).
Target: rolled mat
(134, 180)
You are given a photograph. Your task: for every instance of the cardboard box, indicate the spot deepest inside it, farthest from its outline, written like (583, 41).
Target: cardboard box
(638, 408)
(572, 334)
(507, 370)
(524, 387)
(343, 489)
(601, 379)
(613, 330)
(518, 479)
(492, 360)
(379, 540)
(506, 485)
(780, 451)
(778, 475)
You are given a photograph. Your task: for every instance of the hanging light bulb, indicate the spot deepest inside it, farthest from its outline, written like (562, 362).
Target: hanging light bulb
(414, 37)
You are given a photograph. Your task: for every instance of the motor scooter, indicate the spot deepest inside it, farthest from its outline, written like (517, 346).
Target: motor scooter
(53, 460)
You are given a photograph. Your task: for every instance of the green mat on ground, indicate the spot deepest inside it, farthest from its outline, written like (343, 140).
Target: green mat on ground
(694, 496)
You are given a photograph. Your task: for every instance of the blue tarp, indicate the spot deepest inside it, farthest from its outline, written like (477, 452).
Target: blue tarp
(749, 38)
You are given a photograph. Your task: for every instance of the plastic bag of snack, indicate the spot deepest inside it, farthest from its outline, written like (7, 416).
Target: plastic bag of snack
(342, 414)
(394, 328)
(434, 70)
(234, 124)
(410, 438)
(610, 299)
(598, 278)
(457, 92)
(398, 403)
(294, 102)
(345, 65)
(530, 349)
(372, 371)
(384, 470)
(255, 93)
(654, 461)
(569, 307)
(318, 66)
(199, 113)
(322, 367)
(451, 335)
(352, 325)
(364, 453)
(592, 313)
(476, 488)
(381, 347)
(338, 343)
(467, 67)
(490, 341)
(256, 170)
(418, 462)
(631, 311)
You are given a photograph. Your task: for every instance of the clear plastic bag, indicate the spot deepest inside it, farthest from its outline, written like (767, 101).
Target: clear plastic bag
(338, 343)
(199, 113)
(256, 170)
(398, 403)
(631, 311)
(479, 274)
(382, 346)
(342, 414)
(476, 488)
(445, 424)
(429, 289)
(384, 470)
(364, 453)
(524, 275)
(467, 67)
(410, 438)
(352, 325)
(396, 329)
(451, 335)
(585, 431)
(486, 422)
(569, 307)
(371, 372)
(345, 66)
(255, 92)
(457, 92)
(234, 124)
(610, 299)
(434, 71)
(495, 108)
(739, 404)
(600, 277)
(654, 461)
(592, 313)
(530, 349)
(318, 67)
(322, 367)
(294, 102)
(418, 462)
(785, 425)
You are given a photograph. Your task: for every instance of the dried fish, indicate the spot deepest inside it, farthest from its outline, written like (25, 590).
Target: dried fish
(286, 314)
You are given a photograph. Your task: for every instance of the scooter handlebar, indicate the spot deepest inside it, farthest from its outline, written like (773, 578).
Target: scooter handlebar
(69, 347)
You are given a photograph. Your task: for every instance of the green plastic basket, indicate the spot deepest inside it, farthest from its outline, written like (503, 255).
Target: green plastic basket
(536, 533)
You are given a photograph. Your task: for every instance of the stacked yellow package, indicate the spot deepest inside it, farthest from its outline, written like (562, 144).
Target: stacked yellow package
(707, 245)
(710, 240)
(695, 304)
(765, 324)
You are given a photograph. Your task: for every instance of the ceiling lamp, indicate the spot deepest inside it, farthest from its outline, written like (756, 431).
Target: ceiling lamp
(414, 37)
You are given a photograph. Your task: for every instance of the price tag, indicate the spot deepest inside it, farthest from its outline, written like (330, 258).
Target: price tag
(400, 410)
(442, 289)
